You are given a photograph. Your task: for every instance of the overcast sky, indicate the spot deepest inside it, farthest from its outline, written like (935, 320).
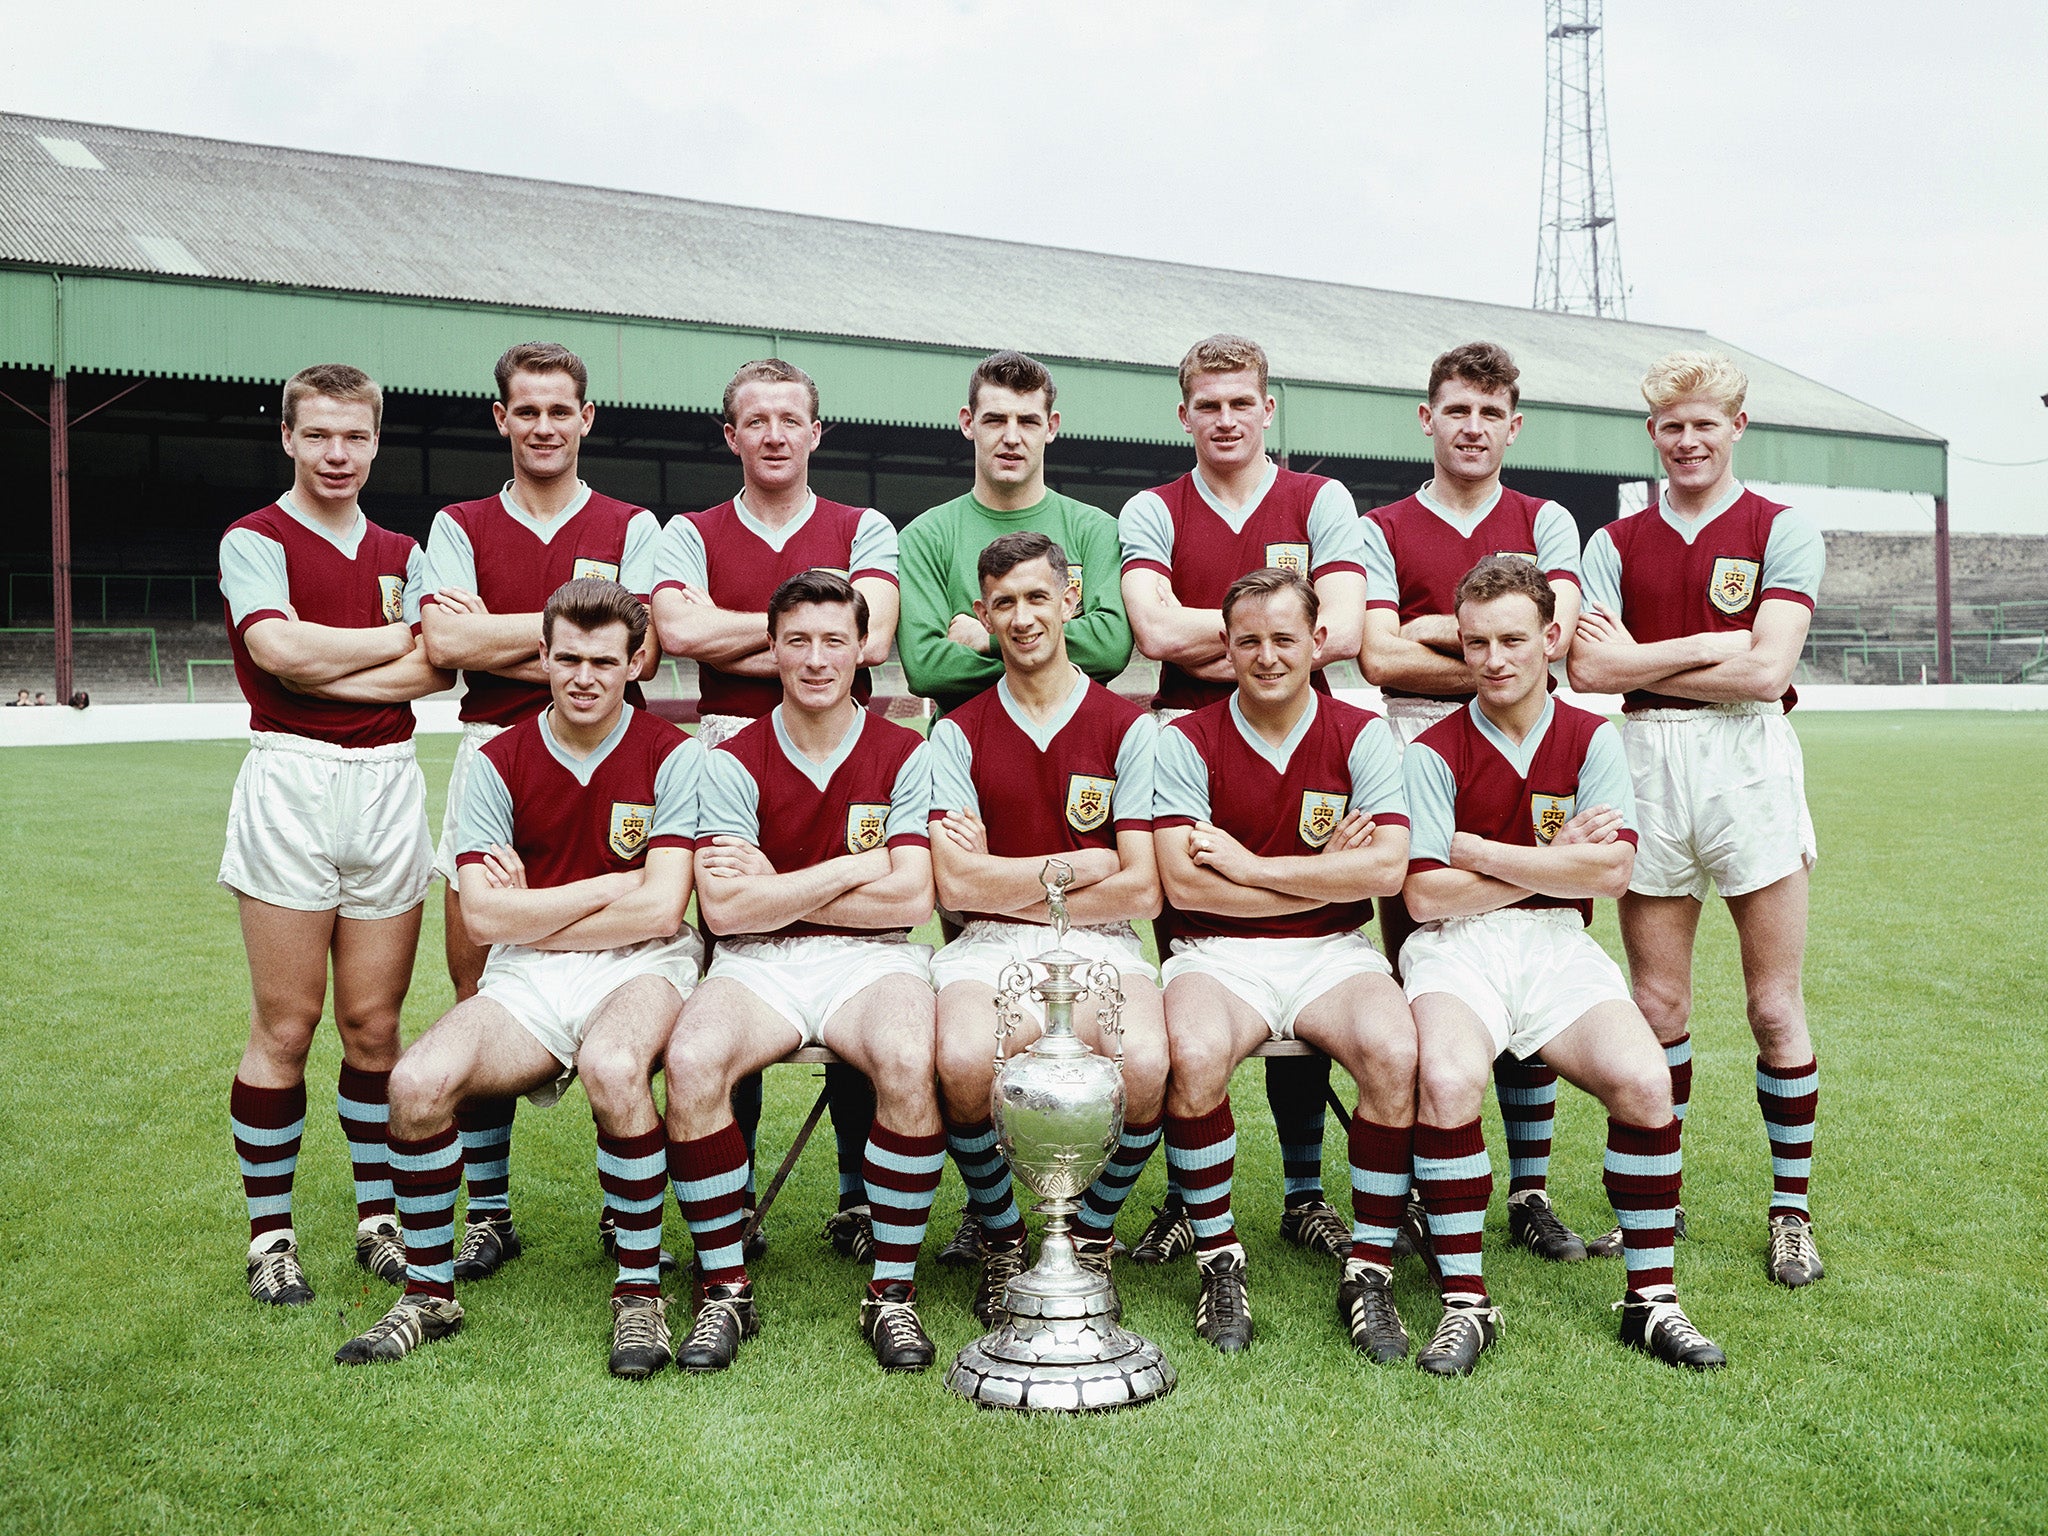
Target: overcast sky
(1856, 190)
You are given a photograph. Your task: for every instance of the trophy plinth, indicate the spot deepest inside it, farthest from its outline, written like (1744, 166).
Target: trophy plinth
(1059, 1110)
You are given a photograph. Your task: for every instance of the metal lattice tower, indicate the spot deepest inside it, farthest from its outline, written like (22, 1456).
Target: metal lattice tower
(1578, 252)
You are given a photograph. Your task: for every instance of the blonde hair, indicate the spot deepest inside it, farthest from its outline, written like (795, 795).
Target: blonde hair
(1683, 375)
(1222, 354)
(333, 381)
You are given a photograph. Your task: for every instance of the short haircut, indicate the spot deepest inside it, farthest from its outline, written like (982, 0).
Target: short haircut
(333, 381)
(1258, 586)
(1004, 555)
(1507, 576)
(817, 587)
(591, 603)
(1222, 353)
(1482, 364)
(1012, 371)
(1685, 374)
(769, 370)
(540, 357)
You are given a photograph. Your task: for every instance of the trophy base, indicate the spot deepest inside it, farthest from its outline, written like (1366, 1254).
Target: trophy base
(1061, 1352)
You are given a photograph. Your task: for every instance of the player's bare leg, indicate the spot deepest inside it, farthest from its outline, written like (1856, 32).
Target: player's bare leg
(1610, 1053)
(484, 1125)
(1210, 1029)
(287, 952)
(373, 960)
(476, 1048)
(1364, 1025)
(725, 1033)
(887, 1031)
(626, 1039)
(1771, 927)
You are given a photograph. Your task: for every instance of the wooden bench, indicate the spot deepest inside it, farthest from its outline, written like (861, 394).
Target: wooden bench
(821, 1056)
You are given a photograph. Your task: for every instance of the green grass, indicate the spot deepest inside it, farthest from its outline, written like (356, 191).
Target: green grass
(140, 1389)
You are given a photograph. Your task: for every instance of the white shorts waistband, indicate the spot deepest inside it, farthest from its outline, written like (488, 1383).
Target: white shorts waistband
(481, 731)
(1563, 917)
(1421, 709)
(1707, 712)
(308, 746)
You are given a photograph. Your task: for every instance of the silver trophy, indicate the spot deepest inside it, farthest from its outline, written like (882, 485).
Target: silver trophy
(1059, 1111)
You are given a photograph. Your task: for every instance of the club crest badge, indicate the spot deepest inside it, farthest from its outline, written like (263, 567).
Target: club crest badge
(594, 570)
(864, 826)
(1549, 813)
(1733, 586)
(1088, 801)
(630, 826)
(1320, 813)
(1288, 557)
(391, 594)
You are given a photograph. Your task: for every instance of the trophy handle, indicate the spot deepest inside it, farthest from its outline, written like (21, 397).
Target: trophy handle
(1016, 981)
(1107, 987)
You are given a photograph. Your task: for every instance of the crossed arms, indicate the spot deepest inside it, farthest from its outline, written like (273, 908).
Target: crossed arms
(1714, 666)
(1111, 885)
(740, 891)
(1205, 869)
(607, 911)
(1588, 858)
(381, 665)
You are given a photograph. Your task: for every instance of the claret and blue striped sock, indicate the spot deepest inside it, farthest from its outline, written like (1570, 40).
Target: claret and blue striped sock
(1528, 1112)
(1790, 1100)
(363, 1102)
(1105, 1197)
(1382, 1172)
(710, 1176)
(268, 1124)
(632, 1172)
(485, 1126)
(1202, 1152)
(1455, 1180)
(1295, 1089)
(425, 1174)
(1642, 1173)
(1678, 1059)
(991, 1198)
(902, 1175)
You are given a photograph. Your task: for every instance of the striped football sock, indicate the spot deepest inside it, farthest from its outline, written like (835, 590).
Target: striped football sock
(902, 1175)
(1455, 1180)
(1202, 1152)
(1112, 1187)
(425, 1174)
(1528, 1112)
(1789, 1098)
(710, 1176)
(1642, 1175)
(363, 1101)
(985, 1172)
(632, 1171)
(1678, 1057)
(1382, 1171)
(485, 1126)
(267, 1124)
(1294, 1091)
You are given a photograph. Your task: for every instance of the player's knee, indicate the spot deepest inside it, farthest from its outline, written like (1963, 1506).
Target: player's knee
(613, 1076)
(1447, 1091)
(695, 1065)
(1391, 1053)
(1199, 1060)
(965, 1056)
(1666, 1004)
(1146, 1063)
(423, 1094)
(1643, 1096)
(1776, 1010)
(901, 1060)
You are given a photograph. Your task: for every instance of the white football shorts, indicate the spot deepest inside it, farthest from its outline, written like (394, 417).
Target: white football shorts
(1277, 977)
(1720, 799)
(474, 734)
(320, 828)
(554, 994)
(985, 949)
(1411, 717)
(713, 729)
(807, 978)
(1528, 972)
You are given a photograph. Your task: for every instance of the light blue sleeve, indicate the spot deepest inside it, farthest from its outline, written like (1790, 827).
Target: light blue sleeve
(1136, 756)
(675, 792)
(952, 766)
(1377, 787)
(728, 800)
(1557, 540)
(1600, 573)
(253, 577)
(636, 561)
(1382, 586)
(1432, 804)
(1334, 539)
(910, 799)
(1604, 778)
(680, 557)
(874, 544)
(486, 810)
(1796, 557)
(451, 562)
(1145, 528)
(1180, 779)
(415, 584)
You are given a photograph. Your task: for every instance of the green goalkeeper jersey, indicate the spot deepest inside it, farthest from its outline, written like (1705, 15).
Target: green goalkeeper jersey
(936, 559)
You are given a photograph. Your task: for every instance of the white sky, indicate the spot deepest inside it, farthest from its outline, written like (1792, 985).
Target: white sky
(1858, 191)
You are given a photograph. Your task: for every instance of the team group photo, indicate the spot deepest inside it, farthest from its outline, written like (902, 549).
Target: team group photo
(894, 769)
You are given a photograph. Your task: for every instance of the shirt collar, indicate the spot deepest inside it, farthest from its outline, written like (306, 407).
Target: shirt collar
(583, 767)
(1042, 734)
(1283, 754)
(544, 531)
(820, 774)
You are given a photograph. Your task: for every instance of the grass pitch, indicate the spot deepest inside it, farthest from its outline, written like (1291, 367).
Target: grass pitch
(141, 1390)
